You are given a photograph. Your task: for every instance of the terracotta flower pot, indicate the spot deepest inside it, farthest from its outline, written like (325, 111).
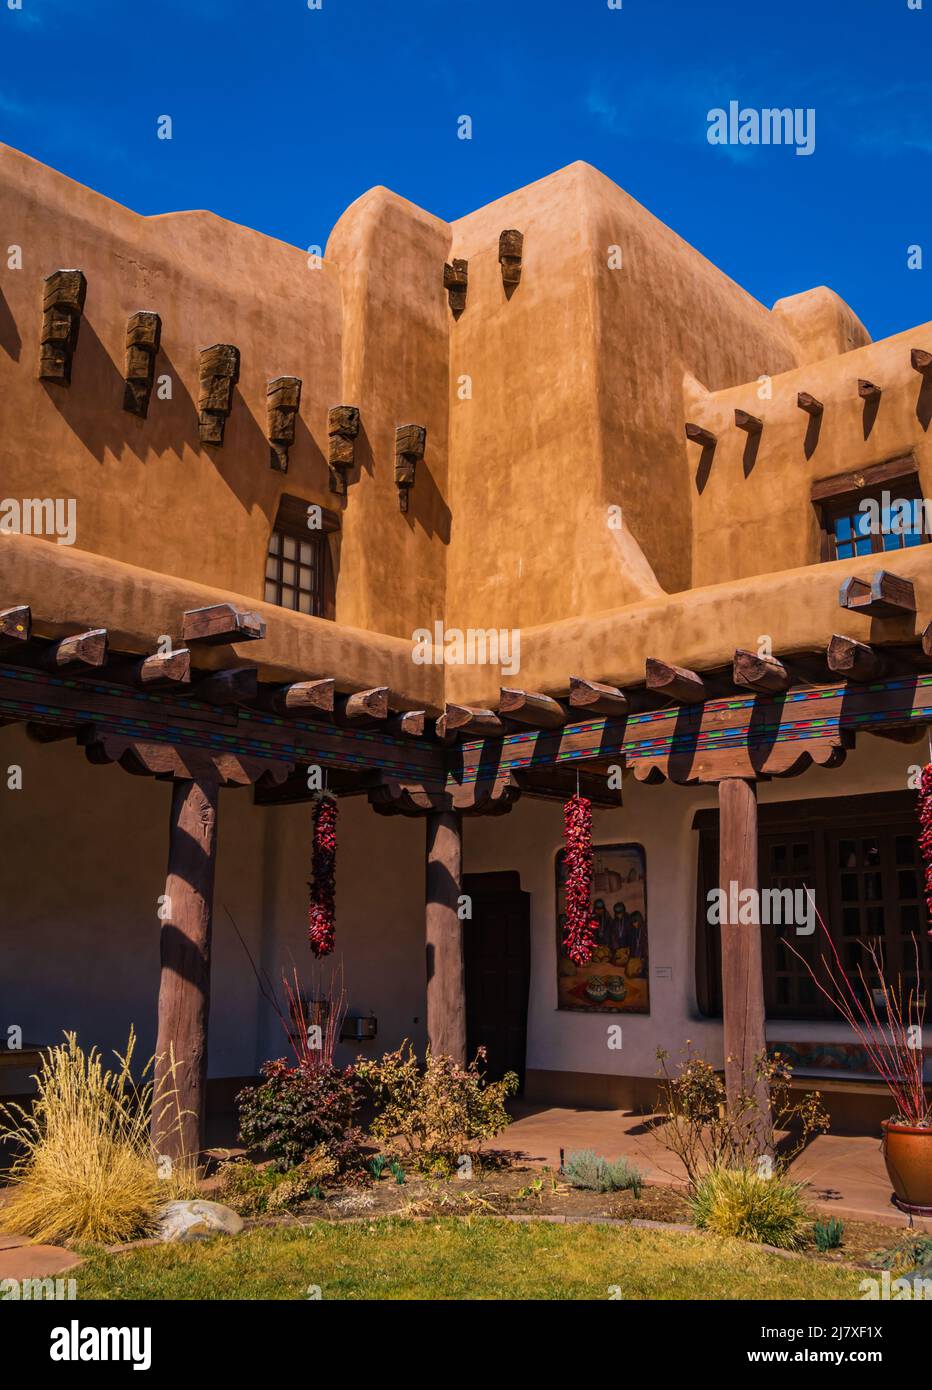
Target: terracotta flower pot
(907, 1152)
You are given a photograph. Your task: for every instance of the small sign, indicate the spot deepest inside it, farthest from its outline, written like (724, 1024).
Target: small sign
(663, 972)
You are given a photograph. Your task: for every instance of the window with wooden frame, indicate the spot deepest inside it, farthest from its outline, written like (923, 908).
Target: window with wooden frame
(894, 521)
(299, 564)
(860, 857)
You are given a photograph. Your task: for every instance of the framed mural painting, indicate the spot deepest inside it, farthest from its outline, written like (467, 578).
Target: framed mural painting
(616, 979)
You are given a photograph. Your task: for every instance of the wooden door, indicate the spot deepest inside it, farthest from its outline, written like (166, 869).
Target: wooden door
(497, 949)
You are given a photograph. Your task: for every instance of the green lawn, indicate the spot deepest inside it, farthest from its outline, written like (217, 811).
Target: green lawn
(450, 1258)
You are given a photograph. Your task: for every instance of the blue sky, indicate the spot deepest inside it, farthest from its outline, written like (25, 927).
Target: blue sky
(282, 115)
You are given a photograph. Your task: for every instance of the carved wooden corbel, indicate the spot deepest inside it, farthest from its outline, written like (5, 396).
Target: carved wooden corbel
(218, 373)
(62, 306)
(283, 400)
(143, 336)
(455, 280)
(342, 427)
(409, 447)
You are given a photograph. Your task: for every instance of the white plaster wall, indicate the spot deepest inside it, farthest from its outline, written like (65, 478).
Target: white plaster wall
(660, 818)
(84, 856)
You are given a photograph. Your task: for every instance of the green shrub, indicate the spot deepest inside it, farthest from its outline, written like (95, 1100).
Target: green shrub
(587, 1170)
(377, 1165)
(913, 1254)
(252, 1190)
(739, 1202)
(828, 1234)
(297, 1109)
(441, 1112)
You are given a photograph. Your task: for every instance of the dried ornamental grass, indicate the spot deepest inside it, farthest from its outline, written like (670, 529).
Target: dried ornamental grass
(740, 1203)
(85, 1170)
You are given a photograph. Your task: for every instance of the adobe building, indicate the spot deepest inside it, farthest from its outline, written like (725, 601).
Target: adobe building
(617, 494)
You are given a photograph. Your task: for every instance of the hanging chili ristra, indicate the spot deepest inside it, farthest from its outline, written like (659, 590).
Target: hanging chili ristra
(321, 915)
(925, 834)
(579, 933)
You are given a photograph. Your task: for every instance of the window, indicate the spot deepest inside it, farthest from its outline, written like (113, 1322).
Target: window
(866, 513)
(860, 857)
(298, 570)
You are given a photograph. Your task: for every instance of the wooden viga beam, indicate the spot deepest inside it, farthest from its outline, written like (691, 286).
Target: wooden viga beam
(884, 595)
(530, 707)
(595, 698)
(15, 626)
(218, 623)
(698, 434)
(751, 424)
(809, 403)
(763, 673)
(82, 649)
(362, 706)
(301, 697)
(920, 361)
(468, 719)
(855, 661)
(161, 671)
(676, 682)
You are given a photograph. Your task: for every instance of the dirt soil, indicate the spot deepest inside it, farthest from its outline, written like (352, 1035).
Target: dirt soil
(532, 1191)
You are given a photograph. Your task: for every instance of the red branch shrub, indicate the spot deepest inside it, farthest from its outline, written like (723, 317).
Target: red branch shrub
(321, 914)
(579, 934)
(925, 833)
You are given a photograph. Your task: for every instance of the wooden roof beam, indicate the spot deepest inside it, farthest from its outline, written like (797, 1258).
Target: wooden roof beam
(675, 682)
(884, 595)
(410, 723)
(855, 661)
(750, 423)
(15, 625)
(763, 673)
(81, 649)
(920, 360)
(593, 698)
(809, 404)
(363, 705)
(698, 434)
(868, 391)
(467, 719)
(219, 623)
(530, 707)
(301, 697)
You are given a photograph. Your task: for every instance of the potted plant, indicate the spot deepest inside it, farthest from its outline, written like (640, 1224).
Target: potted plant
(888, 1019)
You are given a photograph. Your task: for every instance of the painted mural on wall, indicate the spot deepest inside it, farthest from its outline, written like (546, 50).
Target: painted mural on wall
(616, 980)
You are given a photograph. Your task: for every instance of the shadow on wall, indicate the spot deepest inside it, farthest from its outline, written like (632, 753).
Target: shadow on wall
(10, 340)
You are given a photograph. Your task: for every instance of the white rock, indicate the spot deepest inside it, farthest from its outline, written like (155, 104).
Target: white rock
(197, 1220)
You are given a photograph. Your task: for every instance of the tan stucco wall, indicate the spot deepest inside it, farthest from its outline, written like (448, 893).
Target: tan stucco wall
(580, 382)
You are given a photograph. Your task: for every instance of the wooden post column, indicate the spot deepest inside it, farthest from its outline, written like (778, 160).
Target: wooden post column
(446, 977)
(742, 971)
(184, 991)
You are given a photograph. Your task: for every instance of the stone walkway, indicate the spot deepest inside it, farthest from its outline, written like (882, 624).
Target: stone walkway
(846, 1172)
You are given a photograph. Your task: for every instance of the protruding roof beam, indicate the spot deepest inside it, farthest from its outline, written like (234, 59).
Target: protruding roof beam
(675, 681)
(218, 623)
(750, 423)
(82, 649)
(410, 723)
(868, 391)
(920, 360)
(763, 673)
(302, 697)
(809, 404)
(362, 705)
(15, 625)
(592, 697)
(163, 668)
(698, 434)
(530, 707)
(467, 719)
(855, 661)
(884, 595)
